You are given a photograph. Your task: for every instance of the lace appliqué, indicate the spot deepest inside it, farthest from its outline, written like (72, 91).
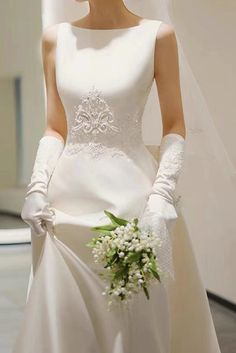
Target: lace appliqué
(93, 150)
(170, 167)
(171, 158)
(95, 131)
(93, 116)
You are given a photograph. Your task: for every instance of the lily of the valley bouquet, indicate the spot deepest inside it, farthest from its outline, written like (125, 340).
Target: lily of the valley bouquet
(128, 254)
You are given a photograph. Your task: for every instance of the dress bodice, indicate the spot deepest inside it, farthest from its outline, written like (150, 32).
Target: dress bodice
(104, 77)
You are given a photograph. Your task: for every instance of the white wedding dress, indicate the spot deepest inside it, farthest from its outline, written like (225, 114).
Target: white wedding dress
(104, 78)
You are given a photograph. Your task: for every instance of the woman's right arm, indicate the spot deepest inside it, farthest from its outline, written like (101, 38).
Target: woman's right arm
(56, 119)
(36, 209)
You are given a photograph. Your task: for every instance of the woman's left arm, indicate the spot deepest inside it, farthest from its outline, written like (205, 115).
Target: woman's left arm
(160, 211)
(167, 78)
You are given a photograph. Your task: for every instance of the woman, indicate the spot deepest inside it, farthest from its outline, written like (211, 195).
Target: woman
(98, 73)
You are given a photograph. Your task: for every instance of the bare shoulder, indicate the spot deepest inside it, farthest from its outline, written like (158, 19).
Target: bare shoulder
(49, 37)
(166, 36)
(166, 53)
(166, 30)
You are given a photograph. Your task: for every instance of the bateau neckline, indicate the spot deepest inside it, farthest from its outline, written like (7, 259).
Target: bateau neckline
(142, 22)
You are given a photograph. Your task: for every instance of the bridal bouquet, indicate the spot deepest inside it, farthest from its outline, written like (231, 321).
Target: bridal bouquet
(128, 255)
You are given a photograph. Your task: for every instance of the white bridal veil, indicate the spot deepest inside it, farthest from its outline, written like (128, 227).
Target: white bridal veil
(207, 181)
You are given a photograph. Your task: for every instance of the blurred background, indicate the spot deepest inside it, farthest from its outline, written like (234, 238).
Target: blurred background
(207, 31)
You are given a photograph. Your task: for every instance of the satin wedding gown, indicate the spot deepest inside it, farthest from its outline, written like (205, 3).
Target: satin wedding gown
(104, 78)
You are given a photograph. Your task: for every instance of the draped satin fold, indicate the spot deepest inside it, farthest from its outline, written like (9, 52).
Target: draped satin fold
(65, 310)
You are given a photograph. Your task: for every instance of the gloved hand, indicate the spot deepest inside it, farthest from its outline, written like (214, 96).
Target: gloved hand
(36, 209)
(160, 212)
(162, 199)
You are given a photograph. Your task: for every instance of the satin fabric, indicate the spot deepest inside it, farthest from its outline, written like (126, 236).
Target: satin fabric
(104, 78)
(66, 312)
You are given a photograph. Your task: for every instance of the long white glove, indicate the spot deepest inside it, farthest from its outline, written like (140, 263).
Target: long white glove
(160, 210)
(36, 209)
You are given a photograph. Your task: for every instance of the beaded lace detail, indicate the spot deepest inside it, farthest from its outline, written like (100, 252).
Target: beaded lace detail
(170, 167)
(96, 130)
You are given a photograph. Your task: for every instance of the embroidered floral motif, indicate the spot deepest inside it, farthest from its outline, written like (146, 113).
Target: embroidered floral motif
(95, 130)
(93, 115)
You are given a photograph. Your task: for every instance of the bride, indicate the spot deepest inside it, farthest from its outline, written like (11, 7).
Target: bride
(98, 74)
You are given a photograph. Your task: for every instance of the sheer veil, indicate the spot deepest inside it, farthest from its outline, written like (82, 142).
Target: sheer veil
(207, 182)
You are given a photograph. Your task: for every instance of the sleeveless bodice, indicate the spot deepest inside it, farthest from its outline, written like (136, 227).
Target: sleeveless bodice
(104, 78)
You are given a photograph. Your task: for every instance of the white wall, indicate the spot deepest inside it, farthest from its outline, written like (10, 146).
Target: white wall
(8, 141)
(20, 32)
(207, 30)
(209, 43)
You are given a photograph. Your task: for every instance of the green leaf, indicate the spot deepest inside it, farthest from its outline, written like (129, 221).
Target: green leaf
(122, 296)
(116, 220)
(155, 274)
(134, 256)
(121, 272)
(113, 259)
(105, 227)
(153, 263)
(135, 221)
(146, 292)
(105, 232)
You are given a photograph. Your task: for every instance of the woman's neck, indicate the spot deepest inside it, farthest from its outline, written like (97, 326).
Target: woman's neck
(107, 13)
